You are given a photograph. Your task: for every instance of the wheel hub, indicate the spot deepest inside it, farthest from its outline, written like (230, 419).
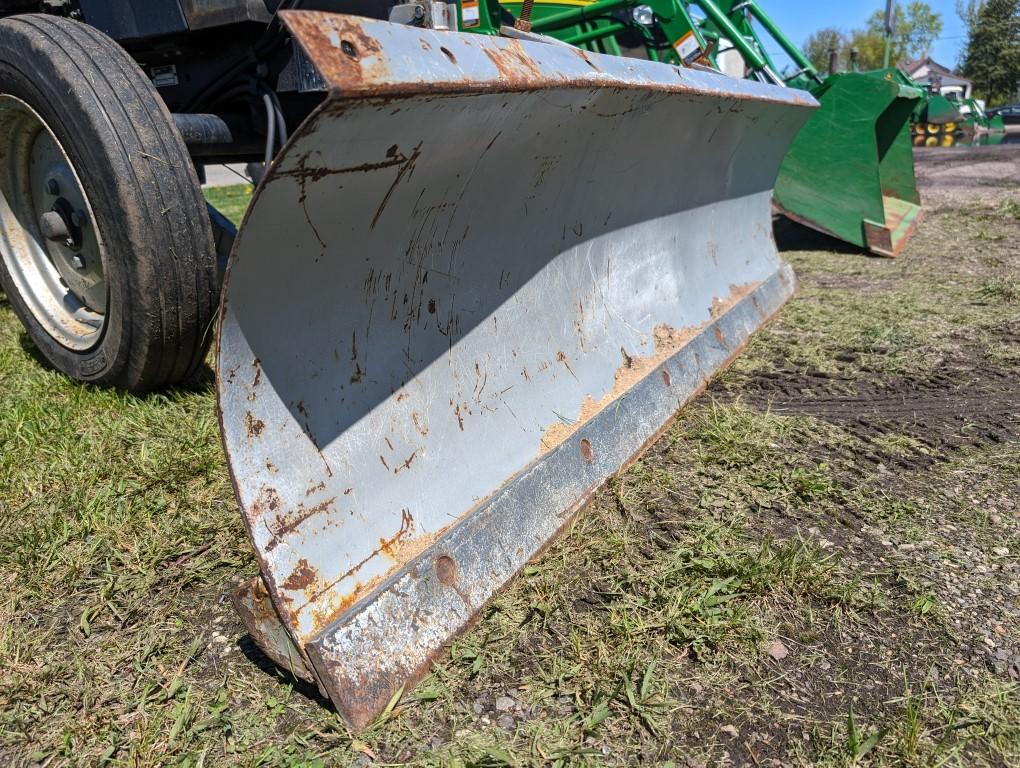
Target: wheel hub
(50, 245)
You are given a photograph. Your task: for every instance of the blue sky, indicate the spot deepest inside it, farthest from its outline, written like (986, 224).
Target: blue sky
(799, 18)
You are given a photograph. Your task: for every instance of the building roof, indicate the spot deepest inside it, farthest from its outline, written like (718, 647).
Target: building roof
(911, 67)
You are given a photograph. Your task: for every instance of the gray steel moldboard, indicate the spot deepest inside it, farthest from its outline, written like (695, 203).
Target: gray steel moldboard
(452, 311)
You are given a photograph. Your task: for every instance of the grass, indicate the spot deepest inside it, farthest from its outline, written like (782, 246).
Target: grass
(931, 729)
(1004, 290)
(231, 201)
(728, 597)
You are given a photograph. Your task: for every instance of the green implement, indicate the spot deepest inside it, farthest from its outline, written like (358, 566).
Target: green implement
(976, 119)
(849, 172)
(939, 114)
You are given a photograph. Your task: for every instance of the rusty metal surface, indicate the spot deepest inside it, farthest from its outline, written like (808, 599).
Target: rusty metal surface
(451, 313)
(360, 57)
(253, 604)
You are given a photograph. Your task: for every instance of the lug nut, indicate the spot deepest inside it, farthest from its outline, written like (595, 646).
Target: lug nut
(53, 187)
(53, 226)
(77, 262)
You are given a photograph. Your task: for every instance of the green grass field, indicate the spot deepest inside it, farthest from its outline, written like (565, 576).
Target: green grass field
(816, 565)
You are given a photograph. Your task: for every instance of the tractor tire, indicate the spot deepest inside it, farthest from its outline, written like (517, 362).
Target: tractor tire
(106, 248)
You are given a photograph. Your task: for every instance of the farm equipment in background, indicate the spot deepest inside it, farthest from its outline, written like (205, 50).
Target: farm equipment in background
(962, 140)
(977, 120)
(850, 171)
(996, 123)
(479, 276)
(935, 116)
(942, 120)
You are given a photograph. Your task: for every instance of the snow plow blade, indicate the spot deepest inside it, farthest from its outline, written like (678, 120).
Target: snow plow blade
(478, 281)
(850, 172)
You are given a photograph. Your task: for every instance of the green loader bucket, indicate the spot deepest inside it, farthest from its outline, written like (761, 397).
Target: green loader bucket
(850, 171)
(979, 120)
(938, 110)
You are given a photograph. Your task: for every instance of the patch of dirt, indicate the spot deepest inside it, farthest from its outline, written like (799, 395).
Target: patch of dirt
(948, 176)
(968, 404)
(784, 706)
(830, 668)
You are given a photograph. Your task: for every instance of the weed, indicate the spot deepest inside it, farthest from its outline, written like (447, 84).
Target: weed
(858, 745)
(1006, 290)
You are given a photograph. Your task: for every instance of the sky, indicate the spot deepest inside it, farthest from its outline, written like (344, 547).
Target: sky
(799, 18)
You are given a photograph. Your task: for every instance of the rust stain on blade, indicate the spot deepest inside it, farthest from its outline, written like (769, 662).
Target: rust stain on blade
(327, 602)
(668, 341)
(253, 426)
(302, 576)
(286, 523)
(303, 173)
(340, 49)
(354, 65)
(253, 603)
(514, 64)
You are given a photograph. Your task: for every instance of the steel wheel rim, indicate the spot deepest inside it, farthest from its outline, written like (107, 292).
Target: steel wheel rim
(60, 278)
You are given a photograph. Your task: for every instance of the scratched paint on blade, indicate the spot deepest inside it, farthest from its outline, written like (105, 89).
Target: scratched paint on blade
(328, 600)
(634, 369)
(399, 327)
(373, 652)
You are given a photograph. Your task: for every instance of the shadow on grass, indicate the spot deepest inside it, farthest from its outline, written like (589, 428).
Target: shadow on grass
(29, 348)
(201, 382)
(246, 645)
(791, 236)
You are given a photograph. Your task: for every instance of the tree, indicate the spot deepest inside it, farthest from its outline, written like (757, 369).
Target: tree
(917, 26)
(992, 57)
(820, 43)
(968, 11)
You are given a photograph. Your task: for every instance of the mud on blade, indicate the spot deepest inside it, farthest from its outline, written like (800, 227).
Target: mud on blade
(479, 280)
